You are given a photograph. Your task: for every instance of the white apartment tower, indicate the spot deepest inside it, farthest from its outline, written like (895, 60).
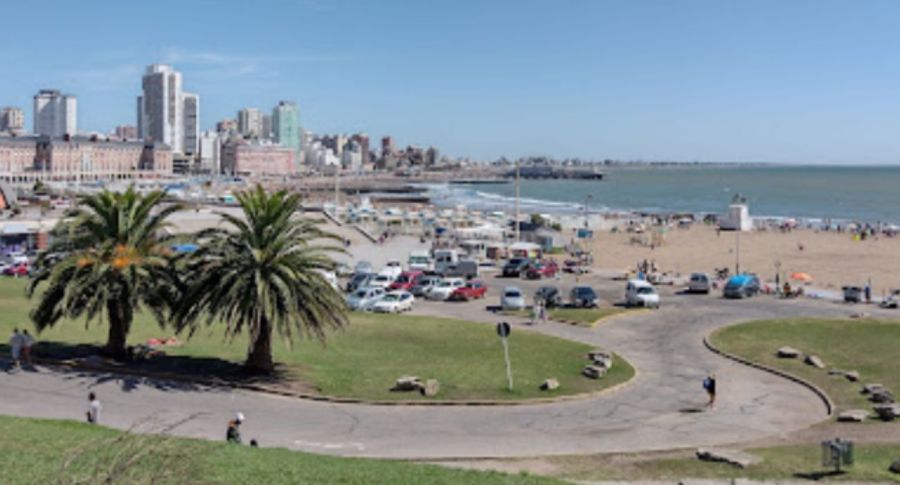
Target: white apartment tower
(55, 114)
(167, 114)
(250, 122)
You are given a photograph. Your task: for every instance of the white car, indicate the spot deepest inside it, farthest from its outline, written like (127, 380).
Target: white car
(425, 284)
(512, 298)
(394, 302)
(382, 280)
(392, 269)
(641, 293)
(364, 299)
(445, 288)
(699, 283)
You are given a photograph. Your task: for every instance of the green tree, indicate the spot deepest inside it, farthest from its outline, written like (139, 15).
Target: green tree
(109, 259)
(263, 272)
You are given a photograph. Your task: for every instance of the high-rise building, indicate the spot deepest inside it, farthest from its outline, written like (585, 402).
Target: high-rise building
(227, 126)
(12, 120)
(210, 152)
(161, 110)
(387, 146)
(266, 132)
(191, 124)
(362, 140)
(250, 122)
(286, 125)
(55, 114)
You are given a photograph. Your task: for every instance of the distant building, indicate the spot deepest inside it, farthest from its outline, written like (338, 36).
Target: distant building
(191, 124)
(12, 120)
(432, 156)
(210, 152)
(362, 140)
(55, 114)
(249, 122)
(267, 132)
(77, 158)
(286, 125)
(351, 158)
(162, 110)
(227, 126)
(126, 132)
(254, 158)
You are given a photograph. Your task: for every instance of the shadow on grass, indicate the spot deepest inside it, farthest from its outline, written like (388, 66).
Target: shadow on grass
(164, 372)
(818, 475)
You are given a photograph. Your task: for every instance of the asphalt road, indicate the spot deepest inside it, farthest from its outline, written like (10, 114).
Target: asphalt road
(656, 410)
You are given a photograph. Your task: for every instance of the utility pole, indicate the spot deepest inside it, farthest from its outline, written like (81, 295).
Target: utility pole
(337, 187)
(518, 228)
(737, 251)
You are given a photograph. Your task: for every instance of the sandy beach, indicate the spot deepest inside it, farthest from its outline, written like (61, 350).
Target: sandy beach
(833, 260)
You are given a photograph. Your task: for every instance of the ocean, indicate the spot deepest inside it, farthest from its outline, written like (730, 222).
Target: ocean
(867, 193)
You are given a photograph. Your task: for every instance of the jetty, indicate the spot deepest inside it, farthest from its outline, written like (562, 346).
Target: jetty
(553, 172)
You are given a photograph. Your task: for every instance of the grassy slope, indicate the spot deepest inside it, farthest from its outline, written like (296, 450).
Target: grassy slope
(366, 359)
(34, 451)
(871, 347)
(584, 316)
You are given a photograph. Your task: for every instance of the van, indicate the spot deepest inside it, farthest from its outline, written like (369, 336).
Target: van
(641, 293)
(444, 258)
(420, 260)
(741, 286)
(461, 269)
(699, 283)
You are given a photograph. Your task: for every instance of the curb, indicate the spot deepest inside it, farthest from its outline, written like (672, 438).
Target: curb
(829, 405)
(324, 398)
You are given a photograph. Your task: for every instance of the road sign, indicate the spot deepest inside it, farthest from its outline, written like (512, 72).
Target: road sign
(503, 329)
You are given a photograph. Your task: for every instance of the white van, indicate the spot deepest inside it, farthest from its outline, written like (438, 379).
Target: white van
(444, 258)
(420, 260)
(641, 293)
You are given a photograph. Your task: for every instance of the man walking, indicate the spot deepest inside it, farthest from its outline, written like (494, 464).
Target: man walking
(15, 348)
(27, 342)
(710, 385)
(94, 407)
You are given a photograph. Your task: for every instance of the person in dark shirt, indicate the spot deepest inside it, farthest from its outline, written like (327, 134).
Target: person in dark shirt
(710, 385)
(233, 435)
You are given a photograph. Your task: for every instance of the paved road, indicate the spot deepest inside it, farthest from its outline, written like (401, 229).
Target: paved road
(653, 412)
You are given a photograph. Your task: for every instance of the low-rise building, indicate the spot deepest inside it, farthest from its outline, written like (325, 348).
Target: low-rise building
(255, 158)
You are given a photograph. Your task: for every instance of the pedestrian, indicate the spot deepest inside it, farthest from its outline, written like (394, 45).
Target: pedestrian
(233, 434)
(94, 407)
(868, 291)
(15, 347)
(543, 312)
(709, 384)
(27, 343)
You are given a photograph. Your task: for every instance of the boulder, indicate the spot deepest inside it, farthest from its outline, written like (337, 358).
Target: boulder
(815, 361)
(895, 467)
(887, 412)
(860, 315)
(788, 353)
(550, 384)
(431, 388)
(882, 397)
(604, 361)
(852, 376)
(853, 416)
(740, 459)
(593, 371)
(407, 383)
(871, 388)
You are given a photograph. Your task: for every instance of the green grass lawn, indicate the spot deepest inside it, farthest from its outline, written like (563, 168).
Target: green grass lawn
(779, 463)
(871, 347)
(49, 451)
(365, 360)
(584, 316)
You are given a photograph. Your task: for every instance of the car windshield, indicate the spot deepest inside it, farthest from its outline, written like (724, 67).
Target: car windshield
(512, 294)
(445, 284)
(361, 293)
(382, 278)
(418, 259)
(515, 261)
(403, 279)
(583, 291)
(646, 290)
(391, 297)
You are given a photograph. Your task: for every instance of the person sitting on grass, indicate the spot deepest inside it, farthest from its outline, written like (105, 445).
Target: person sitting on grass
(233, 435)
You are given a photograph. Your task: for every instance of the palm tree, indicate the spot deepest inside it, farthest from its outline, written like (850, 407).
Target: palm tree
(109, 259)
(263, 273)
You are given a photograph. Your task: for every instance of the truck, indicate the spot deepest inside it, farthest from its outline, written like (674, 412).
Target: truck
(444, 258)
(420, 260)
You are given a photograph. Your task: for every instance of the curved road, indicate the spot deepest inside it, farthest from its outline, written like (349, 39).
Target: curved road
(650, 413)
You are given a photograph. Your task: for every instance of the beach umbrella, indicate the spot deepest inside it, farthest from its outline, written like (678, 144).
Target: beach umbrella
(801, 277)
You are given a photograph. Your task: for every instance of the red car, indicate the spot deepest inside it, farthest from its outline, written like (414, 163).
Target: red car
(18, 269)
(474, 289)
(406, 280)
(542, 269)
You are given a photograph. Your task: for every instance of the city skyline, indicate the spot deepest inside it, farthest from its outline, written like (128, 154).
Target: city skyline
(808, 82)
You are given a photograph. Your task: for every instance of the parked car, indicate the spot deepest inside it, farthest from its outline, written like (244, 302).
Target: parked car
(364, 299)
(473, 290)
(549, 296)
(381, 280)
(406, 280)
(461, 269)
(699, 283)
(18, 269)
(641, 293)
(583, 297)
(394, 302)
(343, 270)
(445, 288)
(424, 285)
(541, 269)
(512, 299)
(359, 280)
(392, 269)
(515, 267)
(741, 286)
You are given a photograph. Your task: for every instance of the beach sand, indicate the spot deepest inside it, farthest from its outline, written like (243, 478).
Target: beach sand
(833, 260)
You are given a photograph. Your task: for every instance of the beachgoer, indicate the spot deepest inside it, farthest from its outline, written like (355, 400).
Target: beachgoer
(787, 289)
(868, 292)
(27, 342)
(709, 384)
(233, 435)
(15, 347)
(94, 407)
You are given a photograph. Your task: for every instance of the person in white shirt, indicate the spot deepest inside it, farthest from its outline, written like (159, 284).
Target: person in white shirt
(93, 413)
(15, 347)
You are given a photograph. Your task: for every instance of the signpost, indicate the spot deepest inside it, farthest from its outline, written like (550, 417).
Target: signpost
(503, 330)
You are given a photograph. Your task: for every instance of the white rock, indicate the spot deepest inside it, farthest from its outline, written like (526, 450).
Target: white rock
(853, 415)
(788, 353)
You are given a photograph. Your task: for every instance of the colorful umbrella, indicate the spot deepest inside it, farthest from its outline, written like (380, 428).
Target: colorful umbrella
(801, 277)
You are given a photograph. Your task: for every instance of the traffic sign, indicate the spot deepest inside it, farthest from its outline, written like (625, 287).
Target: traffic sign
(503, 329)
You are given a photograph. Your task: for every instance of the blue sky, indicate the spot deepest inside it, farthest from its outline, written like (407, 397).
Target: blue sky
(813, 81)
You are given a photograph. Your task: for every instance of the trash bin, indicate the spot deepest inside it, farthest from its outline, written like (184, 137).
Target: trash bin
(853, 294)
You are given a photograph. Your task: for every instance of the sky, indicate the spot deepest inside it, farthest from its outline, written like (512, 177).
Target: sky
(814, 81)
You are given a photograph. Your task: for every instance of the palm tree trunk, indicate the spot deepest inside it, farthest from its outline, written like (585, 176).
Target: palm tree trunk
(259, 358)
(118, 331)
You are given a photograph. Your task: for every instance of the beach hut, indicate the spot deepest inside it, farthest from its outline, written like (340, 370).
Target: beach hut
(738, 217)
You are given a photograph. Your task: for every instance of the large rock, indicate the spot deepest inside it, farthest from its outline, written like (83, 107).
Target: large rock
(895, 467)
(593, 371)
(430, 388)
(882, 397)
(815, 361)
(853, 416)
(407, 383)
(852, 376)
(887, 412)
(788, 353)
(737, 458)
(872, 388)
(550, 384)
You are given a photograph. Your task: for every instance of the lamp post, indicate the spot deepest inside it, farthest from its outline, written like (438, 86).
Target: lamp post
(737, 251)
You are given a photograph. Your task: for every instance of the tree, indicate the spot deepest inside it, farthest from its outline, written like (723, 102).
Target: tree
(263, 272)
(109, 259)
